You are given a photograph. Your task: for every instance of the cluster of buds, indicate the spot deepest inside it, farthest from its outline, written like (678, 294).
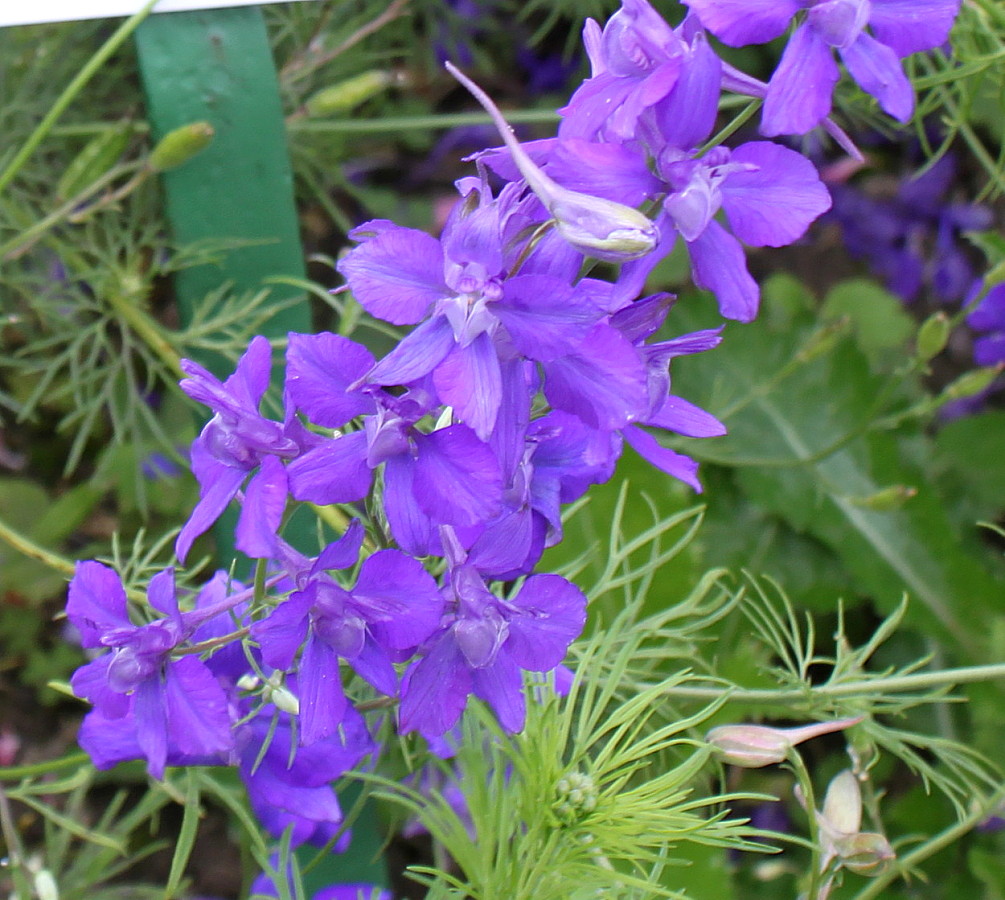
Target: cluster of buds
(576, 797)
(844, 844)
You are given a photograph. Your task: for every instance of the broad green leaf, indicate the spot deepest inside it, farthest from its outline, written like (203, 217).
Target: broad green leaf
(798, 443)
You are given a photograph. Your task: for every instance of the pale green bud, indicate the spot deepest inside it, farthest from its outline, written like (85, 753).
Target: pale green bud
(754, 746)
(45, 885)
(346, 95)
(843, 803)
(865, 853)
(179, 146)
(971, 383)
(932, 337)
(886, 499)
(604, 229)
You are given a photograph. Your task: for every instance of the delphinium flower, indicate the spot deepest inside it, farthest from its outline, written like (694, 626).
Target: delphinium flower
(237, 442)
(393, 607)
(870, 36)
(631, 135)
(988, 319)
(485, 644)
(164, 702)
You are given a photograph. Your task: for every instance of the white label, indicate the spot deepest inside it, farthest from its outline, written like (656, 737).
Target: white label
(31, 12)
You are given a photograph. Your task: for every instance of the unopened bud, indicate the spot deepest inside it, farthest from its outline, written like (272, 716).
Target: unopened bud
(284, 700)
(754, 746)
(865, 853)
(603, 229)
(842, 810)
(346, 95)
(932, 337)
(45, 885)
(823, 339)
(179, 146)
(971, 383)
(887, 499)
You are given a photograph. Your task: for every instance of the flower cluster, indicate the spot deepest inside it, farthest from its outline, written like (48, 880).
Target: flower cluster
(519, 383)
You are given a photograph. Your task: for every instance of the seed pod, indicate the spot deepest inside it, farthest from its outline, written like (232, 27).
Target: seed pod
(179, 146)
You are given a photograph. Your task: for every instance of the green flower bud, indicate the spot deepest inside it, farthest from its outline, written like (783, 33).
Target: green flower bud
(865, 853)
(889, 498)
(594, 226)
(970, 383)
(932, 337)
(346, 95)
(179, 146)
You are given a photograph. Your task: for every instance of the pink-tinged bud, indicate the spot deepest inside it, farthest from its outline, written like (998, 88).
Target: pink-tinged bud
(595, 226)
(862, 852)
(754, 746)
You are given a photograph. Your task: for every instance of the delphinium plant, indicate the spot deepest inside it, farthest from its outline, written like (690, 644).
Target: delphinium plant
(408, 610)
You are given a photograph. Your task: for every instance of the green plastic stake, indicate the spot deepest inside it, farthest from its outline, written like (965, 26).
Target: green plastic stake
(215, 66)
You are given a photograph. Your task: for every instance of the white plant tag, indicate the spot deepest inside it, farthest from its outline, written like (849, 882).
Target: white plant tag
(32, 12)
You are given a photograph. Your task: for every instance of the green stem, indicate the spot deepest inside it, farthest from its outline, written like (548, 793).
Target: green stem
(866, 687)
(29, 548)
(72, 89)
(16, 773)
(147, 330)
(805, 782)
(930, 848)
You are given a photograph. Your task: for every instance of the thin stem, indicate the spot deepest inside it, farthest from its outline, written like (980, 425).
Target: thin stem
(147, 330)
(72, 89)
(930, 848)
(17, 773)
(29, 548)
(866, 686)
(808, 800)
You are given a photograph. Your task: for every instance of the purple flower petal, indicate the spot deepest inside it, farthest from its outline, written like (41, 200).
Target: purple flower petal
(741, 22)
(718, 265)
(250, 380)
(397, 592)
(603, 383)
(457, 479)
(218, 483)
(912, 25)
(96, 602)
(417, 354)
(878, 72)
(410, 525)
(151, 724)
(469, 380)
(688, 115)
(322, 700)
(676, 464)
(773, 203)
(677, 414)
(553, 615)
(799, 93)
(435, 690)
(197, 709)
(282, 632)
(545, 317)
(262, 511)
(500, 684)
(319, 370)
(333, 472)
(397, 275)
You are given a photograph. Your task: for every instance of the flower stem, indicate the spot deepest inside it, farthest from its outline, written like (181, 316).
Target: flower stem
(29, 548)
(863, 687)
(72, 89)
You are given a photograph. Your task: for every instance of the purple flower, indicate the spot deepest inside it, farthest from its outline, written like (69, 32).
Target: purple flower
(462, 291)
(393, 607)
(485, 646)
(290, 787)
(236, 442)
(170, 705)
(799, 93)
(989, 319)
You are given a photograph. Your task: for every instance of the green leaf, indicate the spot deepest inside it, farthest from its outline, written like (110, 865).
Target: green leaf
(797, 442)
(877, 317)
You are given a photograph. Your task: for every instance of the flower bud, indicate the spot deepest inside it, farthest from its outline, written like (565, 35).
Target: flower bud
(971, 383)
(754, 746)
(603, 229)
(179, 146)
(889, 498)
(932, 337)
(346, 95)
(865, 853)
